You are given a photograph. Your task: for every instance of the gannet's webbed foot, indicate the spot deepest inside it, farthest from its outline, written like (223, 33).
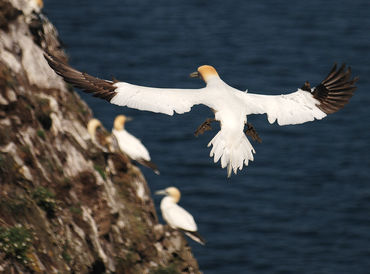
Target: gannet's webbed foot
(204, 127)
(251, 131)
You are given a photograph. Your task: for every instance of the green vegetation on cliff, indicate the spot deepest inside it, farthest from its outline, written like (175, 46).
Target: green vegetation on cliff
(65, 207)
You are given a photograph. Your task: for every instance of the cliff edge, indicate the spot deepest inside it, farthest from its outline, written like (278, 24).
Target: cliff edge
(65, 206)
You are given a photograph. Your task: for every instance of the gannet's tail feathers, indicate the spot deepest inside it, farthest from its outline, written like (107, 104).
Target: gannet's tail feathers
(233, 154)
(195, 236)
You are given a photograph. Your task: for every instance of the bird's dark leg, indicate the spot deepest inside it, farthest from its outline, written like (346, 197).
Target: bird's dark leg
(306, 86)
(204, 127)
(251, 131)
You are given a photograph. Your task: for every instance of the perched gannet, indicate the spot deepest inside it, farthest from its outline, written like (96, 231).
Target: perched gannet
(230, 106)
(92, 127)
(98, 136)
(177, 217)
(130, 145)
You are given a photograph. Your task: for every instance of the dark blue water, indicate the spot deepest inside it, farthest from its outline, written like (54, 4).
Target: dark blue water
(303, 205)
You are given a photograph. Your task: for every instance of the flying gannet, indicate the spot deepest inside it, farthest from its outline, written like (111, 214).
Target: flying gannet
(177, 217)
(230, 106)
(130, 145)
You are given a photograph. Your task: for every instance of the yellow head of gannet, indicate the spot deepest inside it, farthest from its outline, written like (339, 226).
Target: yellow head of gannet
(177, 217)
(35, 5)
(172, 192)
(99, 135)
(205, 72)
(130, 145)
(120, 120)
(92, 126)
(40, 3)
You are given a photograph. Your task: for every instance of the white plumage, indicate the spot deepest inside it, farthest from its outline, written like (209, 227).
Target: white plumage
(129, 144)
(177, 217)
(290, 109)
(230, 106)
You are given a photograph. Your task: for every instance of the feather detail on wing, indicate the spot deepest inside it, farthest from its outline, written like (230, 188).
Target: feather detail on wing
(161, 100)
(177, 217)
(133, 148)
(305, 104)
(130, 145)
(99, 88)
(334, 92)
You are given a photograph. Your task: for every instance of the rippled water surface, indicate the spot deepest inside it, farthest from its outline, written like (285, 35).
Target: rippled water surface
(303, 205)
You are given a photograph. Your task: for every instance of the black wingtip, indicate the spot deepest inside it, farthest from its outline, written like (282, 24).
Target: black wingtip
(335, 91)
(98, 87)
(150, 165)
(195, 236)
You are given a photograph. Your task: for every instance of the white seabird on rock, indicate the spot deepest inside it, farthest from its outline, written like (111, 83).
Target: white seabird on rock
(98, 136)
(130, 145)
(230, 106)
(177, 217)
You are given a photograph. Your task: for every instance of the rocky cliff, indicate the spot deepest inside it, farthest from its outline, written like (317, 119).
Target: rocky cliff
(65, 205)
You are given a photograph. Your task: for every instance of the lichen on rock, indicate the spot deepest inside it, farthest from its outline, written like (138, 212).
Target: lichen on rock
(65, 205)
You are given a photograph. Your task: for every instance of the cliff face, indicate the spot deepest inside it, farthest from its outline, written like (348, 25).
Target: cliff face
(65, 206)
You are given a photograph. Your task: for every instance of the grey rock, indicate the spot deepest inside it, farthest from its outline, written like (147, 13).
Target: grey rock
(79, 210)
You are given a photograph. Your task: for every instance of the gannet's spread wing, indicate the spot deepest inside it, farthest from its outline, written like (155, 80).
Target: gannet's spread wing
(306, 104)
(230, 105)
(161, 100)
(156, 99)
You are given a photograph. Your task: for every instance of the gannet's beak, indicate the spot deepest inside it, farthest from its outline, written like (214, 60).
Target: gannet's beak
(194, 74)
(128, 119)
(160, 192)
